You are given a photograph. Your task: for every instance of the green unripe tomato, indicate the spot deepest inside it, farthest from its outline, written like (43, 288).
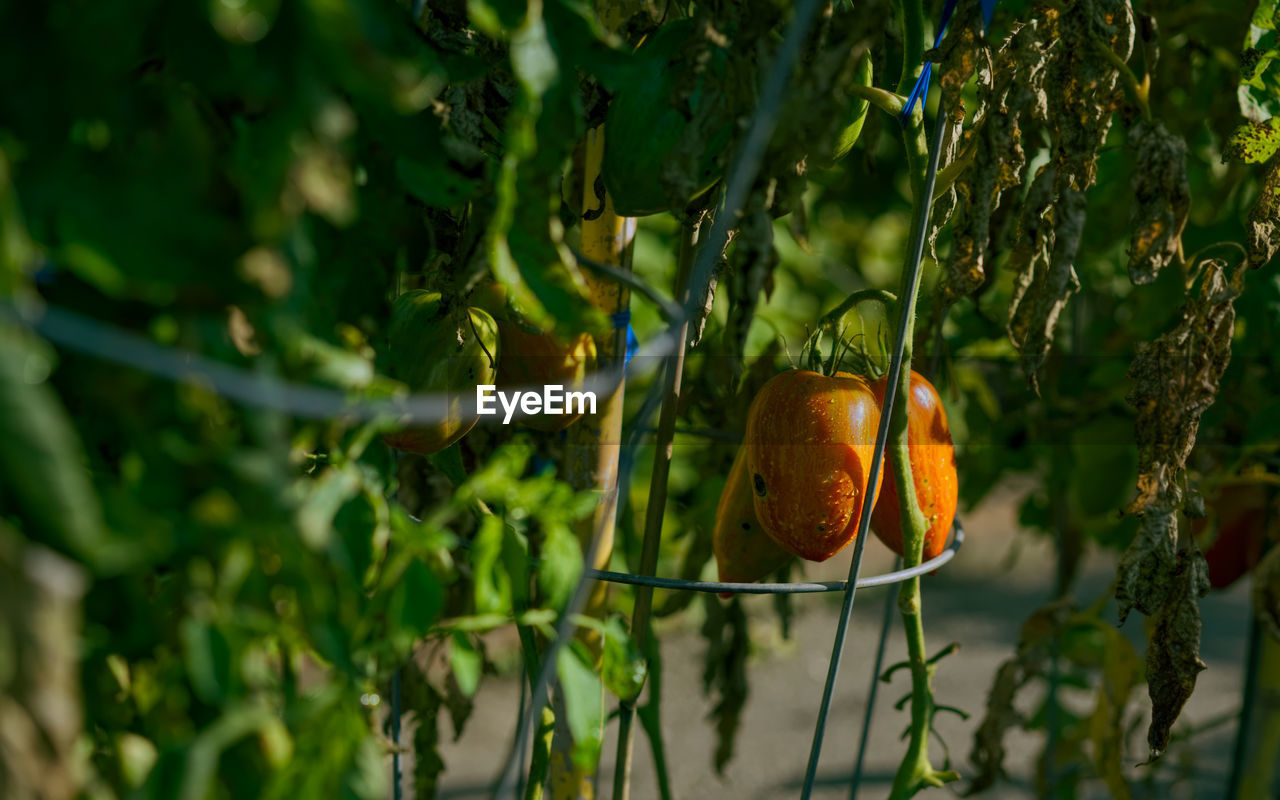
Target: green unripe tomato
(857, 113)
(430, 351)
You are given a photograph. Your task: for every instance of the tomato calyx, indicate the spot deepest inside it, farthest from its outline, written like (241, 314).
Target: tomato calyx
(850, 353)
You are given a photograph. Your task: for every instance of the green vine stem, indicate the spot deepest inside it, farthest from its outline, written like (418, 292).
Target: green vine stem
(915, 772)
(913, 37)
(888, 300)
(889, 102)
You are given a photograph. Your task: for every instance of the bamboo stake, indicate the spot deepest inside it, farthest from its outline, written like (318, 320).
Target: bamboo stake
(594, 442)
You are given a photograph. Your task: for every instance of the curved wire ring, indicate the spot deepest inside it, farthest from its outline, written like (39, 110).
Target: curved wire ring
(897, 576)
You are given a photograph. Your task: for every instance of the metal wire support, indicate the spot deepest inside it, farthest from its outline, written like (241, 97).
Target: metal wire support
(886, 579)
(906, 310)
(885, 623)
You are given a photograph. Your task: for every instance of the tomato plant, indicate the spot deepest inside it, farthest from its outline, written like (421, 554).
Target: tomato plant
(244, 246)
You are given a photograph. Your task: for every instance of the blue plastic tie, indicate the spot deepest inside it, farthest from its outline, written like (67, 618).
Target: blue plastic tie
(921, 90)
(620, 320)
(988, 11)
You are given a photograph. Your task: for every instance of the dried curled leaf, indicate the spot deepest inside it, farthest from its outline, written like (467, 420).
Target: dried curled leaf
(1040, 630)
(1146, 564)
(998, 158)
(963, 52)
(425, 702)
(1047, 282)
(1163, 198)
(1264, 219)
(1266, 591)
(1173, 654)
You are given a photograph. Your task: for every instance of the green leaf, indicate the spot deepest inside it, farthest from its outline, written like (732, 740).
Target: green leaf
(1259, 90)
(650, 715)
(416, 602)
(435, 184)
(491, 583)
(623, 668)
(466, 663)
(560, 564)
(1107, 465)
(208, 660)
(41, 459)
(584, 702)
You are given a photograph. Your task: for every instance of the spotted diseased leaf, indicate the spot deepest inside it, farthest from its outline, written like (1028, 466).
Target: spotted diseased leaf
(1081, 82)
(1047, 282)
(1176, 378)
(1145, 565)
(1266, 592)
(1253, 142)
(1264, 219)
(1163, 198)
(725, 672)
(1173, 654)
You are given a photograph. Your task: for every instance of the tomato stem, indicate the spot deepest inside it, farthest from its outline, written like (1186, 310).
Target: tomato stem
(915, 771)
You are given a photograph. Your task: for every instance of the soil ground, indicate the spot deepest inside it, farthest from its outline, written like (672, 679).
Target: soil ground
(980, 600)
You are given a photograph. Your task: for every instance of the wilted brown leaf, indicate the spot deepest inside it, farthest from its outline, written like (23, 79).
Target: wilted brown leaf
(1046, 283)
(40, 709)
(1173, 654)
(998, 159)
(1176, 378)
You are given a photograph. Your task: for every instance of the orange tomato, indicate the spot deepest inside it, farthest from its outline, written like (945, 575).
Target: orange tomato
(744, 552)
(538, 359)
(933, 470)
(809, 440)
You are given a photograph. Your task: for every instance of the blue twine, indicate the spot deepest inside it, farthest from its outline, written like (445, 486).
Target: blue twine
(620, 320)
(921, 90)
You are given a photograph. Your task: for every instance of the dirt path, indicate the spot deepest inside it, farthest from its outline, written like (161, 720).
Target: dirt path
(977, 601)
